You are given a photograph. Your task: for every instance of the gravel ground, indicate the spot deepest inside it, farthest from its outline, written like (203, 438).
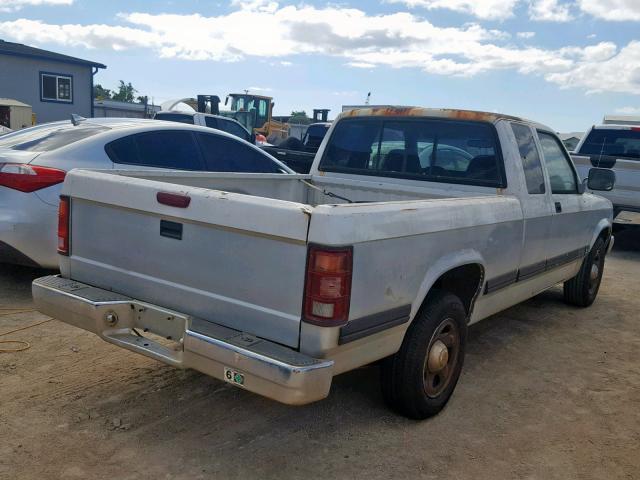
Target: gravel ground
(548, 392)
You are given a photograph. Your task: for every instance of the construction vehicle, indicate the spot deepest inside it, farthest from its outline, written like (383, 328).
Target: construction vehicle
(254, 112)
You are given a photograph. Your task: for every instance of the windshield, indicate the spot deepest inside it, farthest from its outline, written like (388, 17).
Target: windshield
(614, 143)
(46, 138)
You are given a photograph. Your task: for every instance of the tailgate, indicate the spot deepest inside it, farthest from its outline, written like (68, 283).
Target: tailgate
(233, 259)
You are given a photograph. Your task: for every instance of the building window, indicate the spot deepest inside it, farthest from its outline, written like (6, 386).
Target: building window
(56, 88)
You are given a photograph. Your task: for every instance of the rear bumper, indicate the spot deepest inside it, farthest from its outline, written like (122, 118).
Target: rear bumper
(266, 368)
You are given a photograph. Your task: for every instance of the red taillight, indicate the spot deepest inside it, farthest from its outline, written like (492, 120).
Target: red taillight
(29, 178)
(635, 129)
(64, 215)
(328, 286)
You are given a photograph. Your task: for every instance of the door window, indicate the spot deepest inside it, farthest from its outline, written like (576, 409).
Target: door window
(223, 154)
(211, 122)
(233, 128)
(530, 158)
(562, 177)
(176, 117)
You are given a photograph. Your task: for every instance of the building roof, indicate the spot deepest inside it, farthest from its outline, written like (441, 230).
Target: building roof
(117, 105)
(621, 119)
(9, 102)
(20, 50)
(567, 136)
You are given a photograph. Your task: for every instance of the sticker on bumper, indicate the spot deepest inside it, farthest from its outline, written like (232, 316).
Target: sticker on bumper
(234, 377)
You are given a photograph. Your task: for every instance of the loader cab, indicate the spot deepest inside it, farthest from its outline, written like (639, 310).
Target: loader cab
(257, 108)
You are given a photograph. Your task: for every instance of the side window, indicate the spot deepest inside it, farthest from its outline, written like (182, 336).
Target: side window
(530, 158)
(162, 149)
(211, 122)
(176, 117)
(561, 175)
(419, 149)
(56, 88)
(222, 154)
(234, 129)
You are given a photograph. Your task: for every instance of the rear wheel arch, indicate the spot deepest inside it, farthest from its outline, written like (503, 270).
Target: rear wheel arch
(464, 280)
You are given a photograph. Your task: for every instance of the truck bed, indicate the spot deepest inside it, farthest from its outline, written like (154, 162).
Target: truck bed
(237, 254)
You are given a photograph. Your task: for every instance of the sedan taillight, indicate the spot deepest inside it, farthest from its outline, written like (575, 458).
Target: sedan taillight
(29, 178)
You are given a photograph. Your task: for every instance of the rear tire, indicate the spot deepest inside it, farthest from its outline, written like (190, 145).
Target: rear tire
(418, 380)
(582, 289)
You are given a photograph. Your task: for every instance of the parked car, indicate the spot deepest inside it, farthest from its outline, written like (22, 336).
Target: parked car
(616, 147)
(379, 253)
(218, 122)
(34, 162)
(299, 154)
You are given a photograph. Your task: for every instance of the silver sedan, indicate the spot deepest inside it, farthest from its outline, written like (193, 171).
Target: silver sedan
(34, 162)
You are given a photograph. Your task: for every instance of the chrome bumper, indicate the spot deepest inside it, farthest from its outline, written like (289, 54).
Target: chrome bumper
(266, 368)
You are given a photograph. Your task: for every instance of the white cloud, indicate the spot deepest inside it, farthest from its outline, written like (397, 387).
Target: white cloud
(484, 9)
(258, 30)
(549, 11)
(628, 110)
(361, 65)
(14, 5)
(613, 10)
(526, 34)
(618, 73)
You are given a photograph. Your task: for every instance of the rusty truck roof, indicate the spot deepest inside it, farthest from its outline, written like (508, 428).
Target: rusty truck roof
(410, 111)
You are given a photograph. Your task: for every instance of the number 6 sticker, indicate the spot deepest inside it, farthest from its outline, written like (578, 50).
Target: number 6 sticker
(234, 377)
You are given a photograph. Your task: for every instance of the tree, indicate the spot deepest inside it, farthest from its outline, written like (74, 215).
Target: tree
(101, 93)
(126, 92)
(299, 117)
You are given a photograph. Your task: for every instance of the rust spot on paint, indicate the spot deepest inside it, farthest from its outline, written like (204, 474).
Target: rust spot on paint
(402, 111)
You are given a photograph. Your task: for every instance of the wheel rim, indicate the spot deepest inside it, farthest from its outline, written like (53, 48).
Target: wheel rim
(441, 358)
(595, 274)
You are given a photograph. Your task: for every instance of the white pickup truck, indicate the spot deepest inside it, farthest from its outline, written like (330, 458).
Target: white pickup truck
(616, 147)
(413, 224)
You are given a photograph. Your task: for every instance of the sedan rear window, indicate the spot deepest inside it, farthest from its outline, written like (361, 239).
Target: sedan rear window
(49, 138)
(419, 149)
(613, 143)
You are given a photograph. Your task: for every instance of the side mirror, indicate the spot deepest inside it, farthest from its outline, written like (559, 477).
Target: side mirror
(601, 179)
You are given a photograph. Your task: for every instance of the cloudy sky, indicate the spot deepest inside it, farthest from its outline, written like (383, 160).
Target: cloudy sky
(563, 62)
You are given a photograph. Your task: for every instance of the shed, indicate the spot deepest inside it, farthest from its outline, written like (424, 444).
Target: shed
(14, 114)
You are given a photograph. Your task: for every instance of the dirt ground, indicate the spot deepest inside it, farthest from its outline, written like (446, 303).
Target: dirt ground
(548, 392)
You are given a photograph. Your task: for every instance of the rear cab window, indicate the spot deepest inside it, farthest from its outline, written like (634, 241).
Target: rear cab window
(434, 150)
(618, 142)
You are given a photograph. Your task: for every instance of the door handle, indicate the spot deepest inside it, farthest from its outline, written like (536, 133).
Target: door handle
(558, 207)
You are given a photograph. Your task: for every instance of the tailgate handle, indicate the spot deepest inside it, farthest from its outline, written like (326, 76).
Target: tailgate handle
(178, 200)
(171, 229)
